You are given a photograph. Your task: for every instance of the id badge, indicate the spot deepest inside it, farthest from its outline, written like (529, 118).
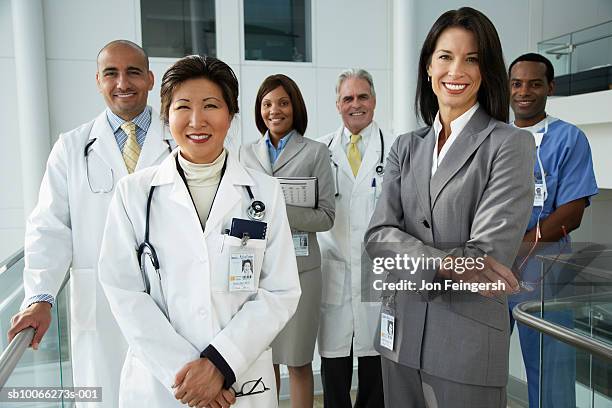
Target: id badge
(387, 328)
(242, 270)
(539, 196)
(300, 243)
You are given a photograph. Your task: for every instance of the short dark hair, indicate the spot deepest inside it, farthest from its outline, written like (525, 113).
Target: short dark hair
(493, 94)
(129, 43)
(300, 116)
(199, 66)
(533, 57)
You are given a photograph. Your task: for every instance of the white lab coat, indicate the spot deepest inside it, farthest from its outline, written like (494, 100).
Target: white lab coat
(65, 231)
(194, 267)
(343, 314)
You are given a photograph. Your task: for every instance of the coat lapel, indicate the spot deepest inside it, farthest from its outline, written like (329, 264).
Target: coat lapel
(293, 147)
(260, 149)
(474, 133)
(229, 194)
(106, 146)
(421, 150)
(155, 145)
(370, 158)
(338, 154)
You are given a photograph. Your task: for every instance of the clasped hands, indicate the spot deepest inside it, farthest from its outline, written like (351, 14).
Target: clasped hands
(488, 272)
(200, 384)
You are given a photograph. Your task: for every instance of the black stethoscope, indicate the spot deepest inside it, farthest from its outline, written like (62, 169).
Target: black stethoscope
(112, 174)
(256, 212)
(380, 168)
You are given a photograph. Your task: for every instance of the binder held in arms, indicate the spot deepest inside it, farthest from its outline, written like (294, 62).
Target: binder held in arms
(300, 191)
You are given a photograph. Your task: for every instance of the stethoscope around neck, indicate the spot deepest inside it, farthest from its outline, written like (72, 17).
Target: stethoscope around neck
(256, 211)
(380, 168)
(109, 188)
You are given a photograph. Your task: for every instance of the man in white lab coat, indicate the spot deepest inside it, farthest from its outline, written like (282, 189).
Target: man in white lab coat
(65, 229)
(348, 323)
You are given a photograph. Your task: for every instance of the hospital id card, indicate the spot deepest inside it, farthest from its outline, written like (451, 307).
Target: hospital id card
(242, 271)
(539, 196)
(300, 243)
(387, 328)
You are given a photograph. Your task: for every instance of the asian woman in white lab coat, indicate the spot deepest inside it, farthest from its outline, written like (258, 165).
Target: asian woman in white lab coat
(283, 151)
(198, 327)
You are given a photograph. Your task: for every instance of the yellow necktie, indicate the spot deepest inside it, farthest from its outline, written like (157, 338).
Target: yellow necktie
(354, 157)
(131, 149)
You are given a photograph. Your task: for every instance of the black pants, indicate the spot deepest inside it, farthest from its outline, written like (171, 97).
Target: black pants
(336, 374)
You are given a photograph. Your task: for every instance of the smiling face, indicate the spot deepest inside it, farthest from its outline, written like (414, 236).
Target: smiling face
(356, 104)
(529, 90)
(124, 80)
(199, 119)
(277, 112)
(454, 71)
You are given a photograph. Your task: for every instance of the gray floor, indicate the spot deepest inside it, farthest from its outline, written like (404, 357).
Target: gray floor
(319, 403)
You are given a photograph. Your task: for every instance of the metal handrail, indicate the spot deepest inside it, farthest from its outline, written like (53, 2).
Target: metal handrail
(11, 260)
(521, 313)
(19, 344)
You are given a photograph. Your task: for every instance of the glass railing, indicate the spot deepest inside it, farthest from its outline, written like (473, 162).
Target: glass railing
(582, 59)
(49, 366)
(573, 313)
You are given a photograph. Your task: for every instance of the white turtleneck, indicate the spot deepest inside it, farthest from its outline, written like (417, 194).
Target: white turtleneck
(202, 181)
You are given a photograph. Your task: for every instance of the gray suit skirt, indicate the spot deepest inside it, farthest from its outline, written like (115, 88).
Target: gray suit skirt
(294, 345)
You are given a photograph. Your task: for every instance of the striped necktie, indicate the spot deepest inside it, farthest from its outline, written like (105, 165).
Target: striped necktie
(354, 157)
(131, 148)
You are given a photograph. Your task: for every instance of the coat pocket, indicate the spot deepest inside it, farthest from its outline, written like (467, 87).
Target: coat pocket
(334, 273)
(83, 283)
(491, 312)
(220, 277)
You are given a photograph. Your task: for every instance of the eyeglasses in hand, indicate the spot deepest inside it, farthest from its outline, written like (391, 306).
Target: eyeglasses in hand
(252, 387)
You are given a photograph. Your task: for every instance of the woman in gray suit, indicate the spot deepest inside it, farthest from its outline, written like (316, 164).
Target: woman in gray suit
(456, 197)
(283, 151)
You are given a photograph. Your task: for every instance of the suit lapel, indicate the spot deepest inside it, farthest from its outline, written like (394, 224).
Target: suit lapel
(421, 150)
(106, 146)
(260, 149)
(474, 133)
(155, 145)
(293, 147)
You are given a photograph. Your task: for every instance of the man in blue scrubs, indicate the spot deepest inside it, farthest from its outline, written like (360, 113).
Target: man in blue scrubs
(564, 183)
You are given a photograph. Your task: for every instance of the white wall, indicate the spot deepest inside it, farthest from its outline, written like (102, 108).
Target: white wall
(11, 199)
(564, 16)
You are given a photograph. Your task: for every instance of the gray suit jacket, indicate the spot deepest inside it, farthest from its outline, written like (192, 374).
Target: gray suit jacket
(479, 201)
(301, 157)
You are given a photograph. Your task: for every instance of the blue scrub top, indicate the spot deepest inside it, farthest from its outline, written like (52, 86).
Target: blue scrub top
(568, 165)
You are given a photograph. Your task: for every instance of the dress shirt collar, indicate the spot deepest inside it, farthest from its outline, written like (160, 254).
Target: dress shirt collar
(142, 121)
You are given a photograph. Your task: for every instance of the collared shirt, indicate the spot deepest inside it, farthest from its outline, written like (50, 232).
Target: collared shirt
(457, 127)
(142, 122)
(274, 152)
(365, 133)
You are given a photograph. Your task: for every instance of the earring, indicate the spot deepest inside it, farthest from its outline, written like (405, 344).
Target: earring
(428, 78)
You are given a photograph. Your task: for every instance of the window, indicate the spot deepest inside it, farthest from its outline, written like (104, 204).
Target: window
(277, 30)
(175, 28)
